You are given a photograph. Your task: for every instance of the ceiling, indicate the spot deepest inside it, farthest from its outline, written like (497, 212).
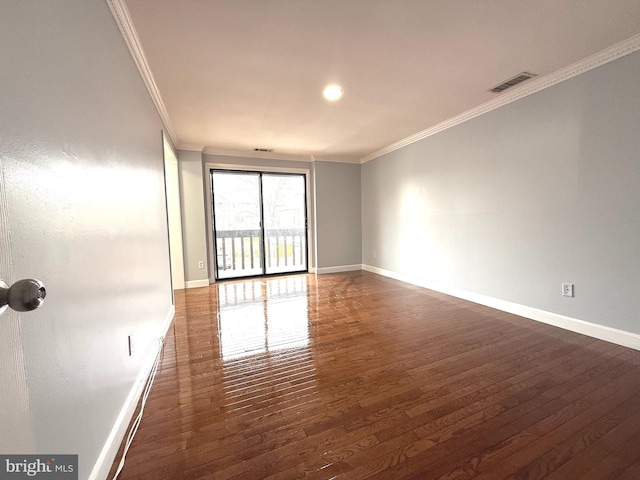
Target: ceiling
(235, 75)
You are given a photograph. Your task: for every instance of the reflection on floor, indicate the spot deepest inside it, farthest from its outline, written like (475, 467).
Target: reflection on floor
(257, 316)
(355, 376)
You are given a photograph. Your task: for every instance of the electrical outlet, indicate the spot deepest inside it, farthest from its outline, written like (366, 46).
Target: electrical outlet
(130, 344)
(201, 264)
(567, 289)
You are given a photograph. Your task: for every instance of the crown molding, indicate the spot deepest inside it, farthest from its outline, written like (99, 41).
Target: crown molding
(123, 19)
(532, 86)
(190, 147)
(348, 161)
(290, 157)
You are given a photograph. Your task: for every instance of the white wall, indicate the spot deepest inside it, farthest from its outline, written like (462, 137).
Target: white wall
(174, 215)
(81, 146)
(513, 203)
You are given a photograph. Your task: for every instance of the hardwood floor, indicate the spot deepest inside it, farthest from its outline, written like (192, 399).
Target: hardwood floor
(355, 376)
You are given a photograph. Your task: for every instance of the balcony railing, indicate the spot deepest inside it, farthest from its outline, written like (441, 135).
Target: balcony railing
(238, 251)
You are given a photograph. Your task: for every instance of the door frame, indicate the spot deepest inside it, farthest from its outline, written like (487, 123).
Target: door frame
(174, 215)
(261, 228)
(311, 234)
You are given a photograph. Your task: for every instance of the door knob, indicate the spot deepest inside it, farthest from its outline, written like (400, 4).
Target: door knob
(22, 296)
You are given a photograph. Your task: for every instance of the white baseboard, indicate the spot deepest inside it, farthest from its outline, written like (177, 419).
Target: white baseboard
(108, 454)
(339, 268)
(613, 335)
(197, 283)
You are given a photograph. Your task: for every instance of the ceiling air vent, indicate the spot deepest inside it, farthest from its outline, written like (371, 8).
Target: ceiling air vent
(263, 149)
(521, 77)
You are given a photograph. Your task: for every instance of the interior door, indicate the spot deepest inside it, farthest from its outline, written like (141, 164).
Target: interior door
(15, 419)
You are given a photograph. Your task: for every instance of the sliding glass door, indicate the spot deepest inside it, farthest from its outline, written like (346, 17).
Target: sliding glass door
(237, 215)
(285, 223)
(259, 223)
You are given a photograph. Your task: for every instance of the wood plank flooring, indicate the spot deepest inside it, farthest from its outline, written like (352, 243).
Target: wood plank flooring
(355, 376)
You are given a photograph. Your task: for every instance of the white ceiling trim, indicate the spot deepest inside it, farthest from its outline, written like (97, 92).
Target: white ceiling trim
(123, 19)
(337, 160)
(532, 86)
(191, 147)
(268, 155)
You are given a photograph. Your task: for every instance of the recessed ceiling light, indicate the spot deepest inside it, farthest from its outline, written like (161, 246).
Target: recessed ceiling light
(332, 92)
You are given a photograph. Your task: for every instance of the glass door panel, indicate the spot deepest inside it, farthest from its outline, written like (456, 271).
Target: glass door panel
(237, 224)
(285, 223)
